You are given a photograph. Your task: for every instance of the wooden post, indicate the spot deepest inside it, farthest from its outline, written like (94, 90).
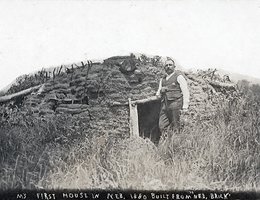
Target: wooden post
(133, 119)
(18, 94)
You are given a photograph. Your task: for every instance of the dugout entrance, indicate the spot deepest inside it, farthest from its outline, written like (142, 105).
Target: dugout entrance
(144, 118)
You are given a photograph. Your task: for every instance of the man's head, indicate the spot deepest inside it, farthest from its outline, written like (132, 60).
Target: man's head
(169, 66)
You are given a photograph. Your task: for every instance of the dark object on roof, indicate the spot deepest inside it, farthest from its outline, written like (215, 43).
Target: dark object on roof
(128, 65)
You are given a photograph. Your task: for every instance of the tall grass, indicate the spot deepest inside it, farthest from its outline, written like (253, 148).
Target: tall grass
(27, 143)
(221, 153)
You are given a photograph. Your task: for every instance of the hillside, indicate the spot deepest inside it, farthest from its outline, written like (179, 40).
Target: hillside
(235, 77)
(72, 129)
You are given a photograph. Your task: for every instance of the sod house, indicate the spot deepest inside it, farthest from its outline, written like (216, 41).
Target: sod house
(117, 95)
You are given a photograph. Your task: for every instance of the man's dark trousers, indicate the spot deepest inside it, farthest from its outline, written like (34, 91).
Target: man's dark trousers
(170, 115)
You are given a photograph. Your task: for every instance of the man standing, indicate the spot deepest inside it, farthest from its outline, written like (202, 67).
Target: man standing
(174, 93)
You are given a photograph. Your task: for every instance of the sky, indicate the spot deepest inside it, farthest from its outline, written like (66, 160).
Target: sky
(196, 33)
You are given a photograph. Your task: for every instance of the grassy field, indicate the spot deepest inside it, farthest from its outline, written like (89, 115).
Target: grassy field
(220, 153)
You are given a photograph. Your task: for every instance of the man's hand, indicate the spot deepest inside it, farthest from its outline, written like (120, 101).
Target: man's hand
(158, 95)
(163, 89)
(184, 111)
(184, 116)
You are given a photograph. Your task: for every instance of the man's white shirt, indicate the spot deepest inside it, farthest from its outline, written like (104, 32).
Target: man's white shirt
(184, 89)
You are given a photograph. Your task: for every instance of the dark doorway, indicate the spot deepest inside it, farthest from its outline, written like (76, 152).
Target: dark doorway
(148, 120)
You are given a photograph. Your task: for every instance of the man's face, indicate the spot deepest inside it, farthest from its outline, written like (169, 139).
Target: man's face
(169, 67)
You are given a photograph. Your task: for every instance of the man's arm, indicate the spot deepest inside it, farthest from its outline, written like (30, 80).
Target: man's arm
(185, 91)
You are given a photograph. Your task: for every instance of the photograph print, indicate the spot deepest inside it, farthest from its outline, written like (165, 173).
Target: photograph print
(146, 99)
